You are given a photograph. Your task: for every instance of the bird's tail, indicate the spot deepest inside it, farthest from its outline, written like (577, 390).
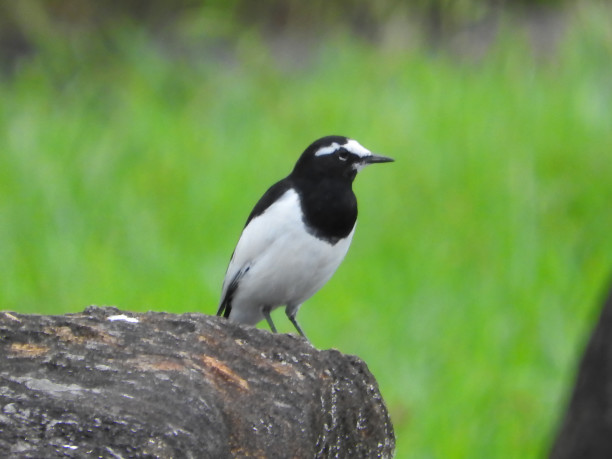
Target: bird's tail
(225, 308)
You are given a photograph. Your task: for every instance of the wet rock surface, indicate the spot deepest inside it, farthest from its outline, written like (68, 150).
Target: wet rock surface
(111, 383)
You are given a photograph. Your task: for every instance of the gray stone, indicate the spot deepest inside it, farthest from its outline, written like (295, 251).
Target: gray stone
(110, 383)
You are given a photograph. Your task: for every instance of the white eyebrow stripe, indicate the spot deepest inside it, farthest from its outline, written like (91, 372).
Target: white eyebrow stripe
(327, 150)
(356, 148)
(351, 146)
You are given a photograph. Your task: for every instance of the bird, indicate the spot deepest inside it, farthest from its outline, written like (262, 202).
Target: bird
(297, 234)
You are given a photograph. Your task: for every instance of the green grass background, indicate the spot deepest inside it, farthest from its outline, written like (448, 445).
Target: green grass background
(480, 255)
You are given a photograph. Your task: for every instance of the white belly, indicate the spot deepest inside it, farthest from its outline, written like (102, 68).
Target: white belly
(287, 265)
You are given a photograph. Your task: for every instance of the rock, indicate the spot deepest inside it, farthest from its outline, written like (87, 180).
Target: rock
(586, 430)
(111, 383)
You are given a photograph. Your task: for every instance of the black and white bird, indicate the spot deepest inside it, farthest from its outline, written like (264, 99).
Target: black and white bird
(297, 234)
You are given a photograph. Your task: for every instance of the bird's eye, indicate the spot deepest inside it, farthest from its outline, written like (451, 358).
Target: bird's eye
(343, 155)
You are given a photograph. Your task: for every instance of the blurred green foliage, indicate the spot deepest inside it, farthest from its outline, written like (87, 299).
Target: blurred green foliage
(128, 166)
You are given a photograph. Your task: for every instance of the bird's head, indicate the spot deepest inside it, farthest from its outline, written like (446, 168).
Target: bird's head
(335, 157)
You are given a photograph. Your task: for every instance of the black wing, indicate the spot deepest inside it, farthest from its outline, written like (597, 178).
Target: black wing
(269, 197)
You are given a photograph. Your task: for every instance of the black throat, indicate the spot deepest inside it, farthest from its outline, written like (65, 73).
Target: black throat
(329, 206)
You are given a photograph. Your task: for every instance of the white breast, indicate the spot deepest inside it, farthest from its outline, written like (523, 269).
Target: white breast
(287, 265)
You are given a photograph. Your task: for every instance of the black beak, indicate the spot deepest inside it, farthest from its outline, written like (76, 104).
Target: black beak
(376, 159)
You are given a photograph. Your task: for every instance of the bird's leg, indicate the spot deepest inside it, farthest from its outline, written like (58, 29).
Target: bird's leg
(266, 314)
(291, 313)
